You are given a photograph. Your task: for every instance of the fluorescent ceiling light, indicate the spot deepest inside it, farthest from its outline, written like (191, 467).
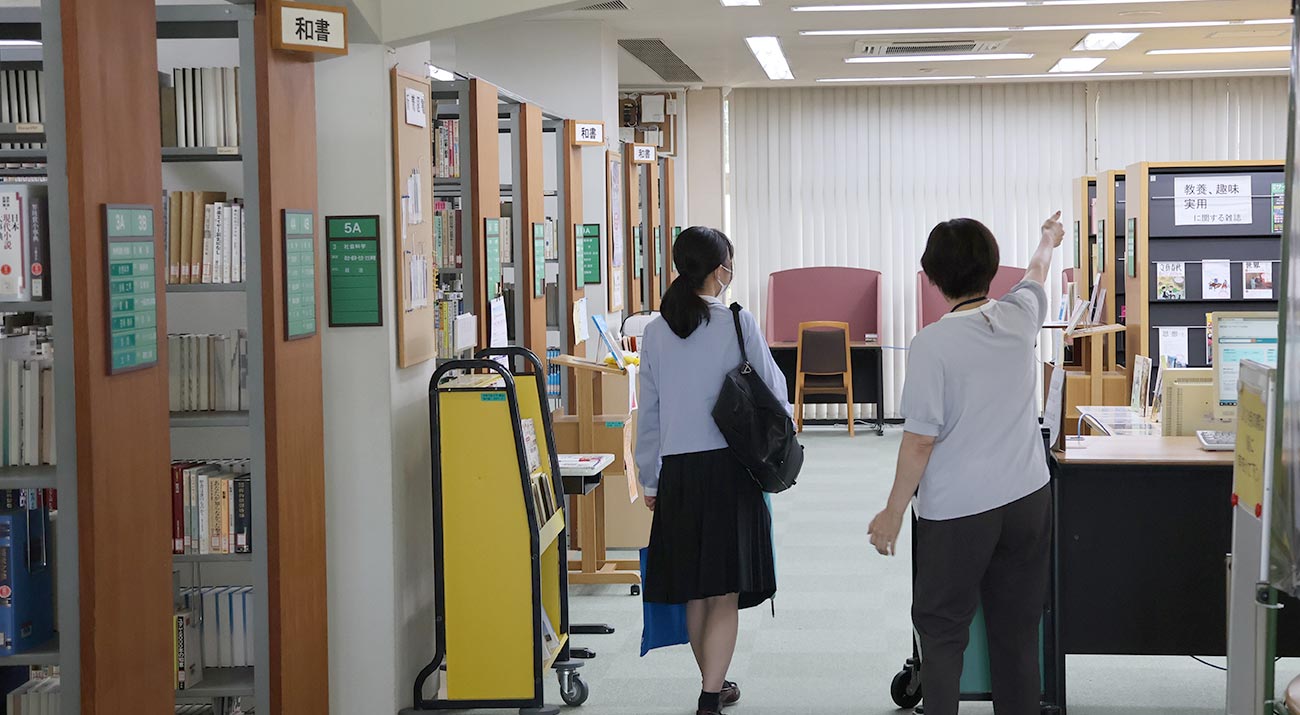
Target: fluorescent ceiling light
(740, 3)
(1039, 28)
(1058, 75)
(1253, 69)
(768, 52)
(895, 79)
(1105, 41)
(1077, 64)
(964, 5)
(440, 74)
(20, 43)
(1219, 50)
(941, 58)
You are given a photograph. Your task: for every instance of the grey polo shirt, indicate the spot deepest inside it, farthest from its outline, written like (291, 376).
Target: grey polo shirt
(971, 383)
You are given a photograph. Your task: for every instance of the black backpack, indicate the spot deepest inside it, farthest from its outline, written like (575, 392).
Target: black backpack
(757, 426)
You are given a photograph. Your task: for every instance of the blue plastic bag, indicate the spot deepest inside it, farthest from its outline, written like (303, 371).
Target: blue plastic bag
(665, 623)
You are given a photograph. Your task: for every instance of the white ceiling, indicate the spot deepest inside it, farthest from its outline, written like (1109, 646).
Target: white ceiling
(711, 38)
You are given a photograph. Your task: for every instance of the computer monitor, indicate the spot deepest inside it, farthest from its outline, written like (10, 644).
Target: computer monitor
(1237, 337)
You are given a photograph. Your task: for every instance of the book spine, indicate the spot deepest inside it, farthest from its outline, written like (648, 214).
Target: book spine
(8, 562)
(202, 507)
(242, 516)
(187, 520)
(209, 236)
(39, 250)
(178, 649)
(228, 524)
(214, 515)
(178, 511)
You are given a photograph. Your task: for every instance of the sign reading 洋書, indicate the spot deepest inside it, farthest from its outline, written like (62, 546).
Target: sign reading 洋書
(299, 274)
(1212, 201)
(355, 292)
(129, 265)
(643, 153)
(587, 133)
(304, 27)
(588, 254)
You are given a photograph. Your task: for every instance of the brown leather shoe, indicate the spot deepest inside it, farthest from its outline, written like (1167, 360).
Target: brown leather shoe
(730, 694)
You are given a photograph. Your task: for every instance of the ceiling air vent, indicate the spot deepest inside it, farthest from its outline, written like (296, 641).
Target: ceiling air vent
(600, 6)
(654, 54)
(865, 48)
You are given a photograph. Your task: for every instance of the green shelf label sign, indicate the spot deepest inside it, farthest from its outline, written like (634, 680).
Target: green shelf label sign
(1101, 247)
(299, 274)
(130, 270)
(355, 293)
(589, 254)
(659, 254)
(492, 252)
(1130, 248)
(539, 260)
(639, 249)
(1078, 247)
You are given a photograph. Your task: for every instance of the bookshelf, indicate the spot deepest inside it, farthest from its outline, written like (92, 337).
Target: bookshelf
(1112, 215)
(1162, 233)
(1085, 235)
(668, 217)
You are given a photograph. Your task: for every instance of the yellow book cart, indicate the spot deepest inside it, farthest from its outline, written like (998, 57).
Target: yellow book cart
(500, 580)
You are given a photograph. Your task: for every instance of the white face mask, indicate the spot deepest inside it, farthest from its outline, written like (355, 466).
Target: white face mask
(723, 290)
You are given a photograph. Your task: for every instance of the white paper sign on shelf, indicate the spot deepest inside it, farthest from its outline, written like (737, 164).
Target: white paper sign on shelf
(643, 153)
(499, 336)
(580, 332)
(1173, 344)
(1212, 201)
(416, 111)
(588, 133)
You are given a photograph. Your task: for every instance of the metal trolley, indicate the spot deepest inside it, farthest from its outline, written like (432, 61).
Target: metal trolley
(500, 565)
(907, 690)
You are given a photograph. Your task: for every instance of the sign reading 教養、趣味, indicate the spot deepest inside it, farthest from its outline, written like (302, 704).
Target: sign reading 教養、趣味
(1212, 201)
(304, 27)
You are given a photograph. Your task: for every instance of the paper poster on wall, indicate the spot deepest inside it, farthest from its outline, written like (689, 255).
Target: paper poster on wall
(1171, 280)
(1216, 280)
(1173, 344)
(1212, 201)
(416, 114)
(499, 336)
(580, 332)
(1257, 279)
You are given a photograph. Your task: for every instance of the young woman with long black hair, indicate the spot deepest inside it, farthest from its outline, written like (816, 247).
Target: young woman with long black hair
(711, 541)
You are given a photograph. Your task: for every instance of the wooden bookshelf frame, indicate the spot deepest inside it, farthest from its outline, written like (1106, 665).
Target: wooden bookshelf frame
(1109, 202)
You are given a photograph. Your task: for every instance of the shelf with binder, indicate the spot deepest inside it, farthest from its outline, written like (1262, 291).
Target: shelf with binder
(42, 655)
(201, 154)
(221, 683)
(206, 288)
(27, 306)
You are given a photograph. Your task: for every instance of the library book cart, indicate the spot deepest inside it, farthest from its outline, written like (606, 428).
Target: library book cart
(500, 582)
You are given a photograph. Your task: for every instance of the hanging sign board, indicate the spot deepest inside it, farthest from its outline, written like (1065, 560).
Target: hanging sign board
(492, 252)
(129, 265)
(299, 274)
(302, 27)
(644, 154)
(1130, 248)
(589, 250)
(586, 133)
(1212, 201)
(659, 253)
(539, 260)
(355, 297)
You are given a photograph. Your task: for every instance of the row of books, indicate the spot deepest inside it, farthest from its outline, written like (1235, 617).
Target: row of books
(27, 394)
(200, 106)
(447, 306)
(38, 696)
(208, 372)
(446, 148)
(26, 573)
(205, 237)
(223, 618)
(24, 242)
(212, 507)
(218, 706)
(22, 101)
(447, 242)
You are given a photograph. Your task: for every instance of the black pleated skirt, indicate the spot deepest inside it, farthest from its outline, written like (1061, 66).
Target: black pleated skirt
(712, 533)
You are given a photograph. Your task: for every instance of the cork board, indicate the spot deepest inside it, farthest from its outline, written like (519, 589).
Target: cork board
(413, 219)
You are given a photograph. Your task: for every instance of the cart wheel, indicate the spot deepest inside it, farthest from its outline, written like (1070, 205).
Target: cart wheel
(901, 689)
(636, 590)
(575, 692)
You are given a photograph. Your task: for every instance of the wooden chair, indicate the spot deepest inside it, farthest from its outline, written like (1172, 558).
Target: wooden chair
(823, 365)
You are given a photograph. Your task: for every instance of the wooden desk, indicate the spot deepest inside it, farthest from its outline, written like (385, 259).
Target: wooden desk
(1135, 450)
(867, 359)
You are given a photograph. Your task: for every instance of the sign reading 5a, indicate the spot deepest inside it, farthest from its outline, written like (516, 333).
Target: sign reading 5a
(303, 27)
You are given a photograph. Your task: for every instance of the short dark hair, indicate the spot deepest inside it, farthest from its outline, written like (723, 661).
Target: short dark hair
(961, 257)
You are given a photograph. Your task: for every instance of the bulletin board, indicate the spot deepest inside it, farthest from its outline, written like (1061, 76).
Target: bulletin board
(413, 219)
(615, 239)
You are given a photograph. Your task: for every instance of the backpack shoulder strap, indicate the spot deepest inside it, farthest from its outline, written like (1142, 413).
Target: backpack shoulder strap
(740, 335)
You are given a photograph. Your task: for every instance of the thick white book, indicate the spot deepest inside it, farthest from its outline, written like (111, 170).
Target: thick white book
(182, 360)
(20, 95)
(4, 104)
(180, 82)
(225, 626)
(210, 626)
(237, 242)
(239, 629)
(209, 241)
(212, 125)
(31, 414)
(14, 412)
(230, 84)
(227, 241)
(173, 373)
(13, 267)
(218, 97)
(33, 97)
(196, 106)
(251, 621)
(204, 384)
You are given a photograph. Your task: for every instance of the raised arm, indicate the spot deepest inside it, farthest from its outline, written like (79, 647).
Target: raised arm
(1041, 262)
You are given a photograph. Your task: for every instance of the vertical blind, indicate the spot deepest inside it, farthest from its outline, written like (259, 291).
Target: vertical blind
(858, 176)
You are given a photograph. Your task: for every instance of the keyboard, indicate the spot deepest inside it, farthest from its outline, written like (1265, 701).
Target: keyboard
(1215, 441)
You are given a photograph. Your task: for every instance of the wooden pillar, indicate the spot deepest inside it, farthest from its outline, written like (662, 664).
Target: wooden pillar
(571, 157)
(633, 219)
(294, 430)
(531, 214)
(123, 509)
(669, 199)
(484, 194)
(654, 237)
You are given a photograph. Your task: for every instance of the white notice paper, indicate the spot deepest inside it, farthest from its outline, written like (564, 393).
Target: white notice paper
(415, 109)
(1257, 277)
(498, 338)
(580, 321)
(1052, 412)
(652, 107)
(1141, 384)
(1216, 280)
(1173, 344)
(1212, 201)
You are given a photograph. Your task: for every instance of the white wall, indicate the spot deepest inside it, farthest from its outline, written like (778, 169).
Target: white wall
(859, 176)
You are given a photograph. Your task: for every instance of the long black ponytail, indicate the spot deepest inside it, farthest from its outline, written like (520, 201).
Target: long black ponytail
(697, 252)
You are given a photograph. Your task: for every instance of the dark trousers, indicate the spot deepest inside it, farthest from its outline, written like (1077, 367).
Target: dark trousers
(999, 558)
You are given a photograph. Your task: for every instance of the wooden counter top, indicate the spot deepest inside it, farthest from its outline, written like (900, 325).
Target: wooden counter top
(792, 344)
(1142, 450)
